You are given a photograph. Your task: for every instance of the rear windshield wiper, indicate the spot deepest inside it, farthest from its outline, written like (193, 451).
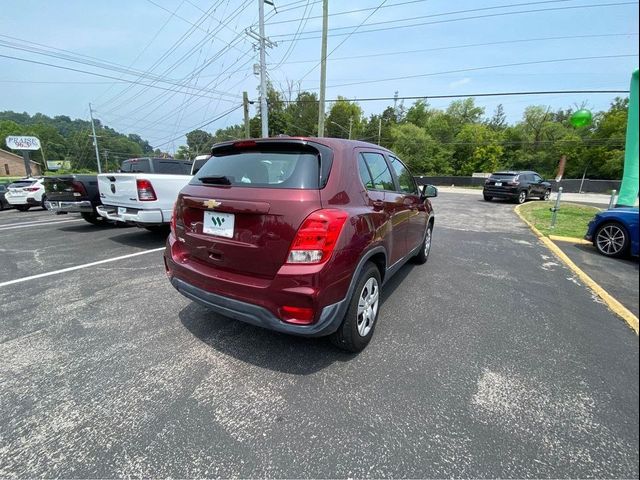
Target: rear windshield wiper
(216, 180)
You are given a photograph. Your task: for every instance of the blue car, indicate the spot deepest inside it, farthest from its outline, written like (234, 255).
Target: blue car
(614, 232)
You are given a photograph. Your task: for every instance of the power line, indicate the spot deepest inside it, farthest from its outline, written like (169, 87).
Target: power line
(475, 17)
(473, 69)
(470, 45)
(112, 77)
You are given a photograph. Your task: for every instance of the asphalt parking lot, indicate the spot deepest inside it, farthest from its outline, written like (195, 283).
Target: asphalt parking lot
(491, 360)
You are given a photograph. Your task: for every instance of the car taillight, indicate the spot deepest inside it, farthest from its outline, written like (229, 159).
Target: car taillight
(513, 184)
(78, 188)
(145, 191)
(317, 237)
(174, 217)
(31, 189)
(296, 315)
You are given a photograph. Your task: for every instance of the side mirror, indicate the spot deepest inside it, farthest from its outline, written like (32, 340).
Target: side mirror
(428, 191)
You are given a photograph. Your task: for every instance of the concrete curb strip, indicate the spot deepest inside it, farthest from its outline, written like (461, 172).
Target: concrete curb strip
(614, 305)
(578, 241)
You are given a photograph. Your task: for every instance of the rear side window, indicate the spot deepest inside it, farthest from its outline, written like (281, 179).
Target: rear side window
(405, 179)
(266, 169)
(380, 174)
(136, 165)
(172, 167)
(365, 174)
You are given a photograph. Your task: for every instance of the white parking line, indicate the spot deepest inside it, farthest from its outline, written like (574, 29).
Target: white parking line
(78, 267)
(11, 226)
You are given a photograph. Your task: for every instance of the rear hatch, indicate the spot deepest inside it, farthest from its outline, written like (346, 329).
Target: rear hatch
(64, 189)
(501, 179)
(242, 210)
(19, 187)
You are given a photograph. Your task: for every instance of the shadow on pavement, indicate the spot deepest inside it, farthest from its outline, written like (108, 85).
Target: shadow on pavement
(268, 349)
(138, 237)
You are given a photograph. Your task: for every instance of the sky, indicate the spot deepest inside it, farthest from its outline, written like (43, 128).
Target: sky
(161, 68)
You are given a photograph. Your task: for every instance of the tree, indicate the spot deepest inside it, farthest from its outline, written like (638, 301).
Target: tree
(342, 113)
(198, 142)
(498, 120)
(422, 154)
(478, 149)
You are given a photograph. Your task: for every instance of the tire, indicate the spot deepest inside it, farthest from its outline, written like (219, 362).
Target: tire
(547, 195)
(522, 197)
(159, 229)
(23, 208)
(94, 219)
(423, 255)
(487, 198)
(611, 240)
(354, 335)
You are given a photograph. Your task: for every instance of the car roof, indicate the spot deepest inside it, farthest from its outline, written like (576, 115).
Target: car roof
(513, 172)
(333, 143)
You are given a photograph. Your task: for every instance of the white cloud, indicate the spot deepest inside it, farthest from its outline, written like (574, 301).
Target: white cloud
(460, 83)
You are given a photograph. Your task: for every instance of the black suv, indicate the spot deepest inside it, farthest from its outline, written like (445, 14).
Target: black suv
(518, 186)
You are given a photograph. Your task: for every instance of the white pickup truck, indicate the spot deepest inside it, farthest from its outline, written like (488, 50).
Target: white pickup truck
(144, 191)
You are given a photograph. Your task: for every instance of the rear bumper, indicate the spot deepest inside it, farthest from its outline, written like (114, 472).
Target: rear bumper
(134, 215)
(498, 192)
(22, 201)
(70, 207)
(329, 320)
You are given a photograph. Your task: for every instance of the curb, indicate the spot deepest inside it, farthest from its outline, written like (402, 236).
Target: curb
(578, 241)
(614, 305)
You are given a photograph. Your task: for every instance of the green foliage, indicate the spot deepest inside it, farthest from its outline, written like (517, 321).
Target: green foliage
(65, 139)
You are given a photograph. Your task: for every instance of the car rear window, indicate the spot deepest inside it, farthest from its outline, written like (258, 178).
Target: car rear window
(136, 165)
(198, 163)
(22, 184)
(172, 167)
(503, 176)
(266, 169)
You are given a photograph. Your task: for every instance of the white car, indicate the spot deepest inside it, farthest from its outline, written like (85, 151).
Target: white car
(26, 193)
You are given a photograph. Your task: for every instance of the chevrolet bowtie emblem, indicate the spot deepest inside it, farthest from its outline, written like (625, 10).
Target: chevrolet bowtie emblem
(211, 204)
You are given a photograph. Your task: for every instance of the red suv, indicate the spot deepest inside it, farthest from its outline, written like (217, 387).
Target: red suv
(298, 235)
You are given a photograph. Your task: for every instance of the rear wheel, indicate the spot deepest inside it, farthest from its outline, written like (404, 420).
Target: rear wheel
(94, 219)
(611, 240)
(547, 195)
(359, 322)
(23, 208)
(522, 197)
(44, 199)
(487, 198)
(423, 255)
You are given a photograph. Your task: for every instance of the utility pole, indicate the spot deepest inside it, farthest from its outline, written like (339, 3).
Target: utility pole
(263, 43)
(323, 66)
(245, 105)
(350, 126)
(379, 129)
(95, 138)
(105, 153)
(264, 112)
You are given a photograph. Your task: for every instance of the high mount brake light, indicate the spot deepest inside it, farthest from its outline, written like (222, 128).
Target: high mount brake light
(317, 237)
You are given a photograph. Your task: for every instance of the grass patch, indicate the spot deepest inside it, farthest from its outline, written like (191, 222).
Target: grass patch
(572, 219)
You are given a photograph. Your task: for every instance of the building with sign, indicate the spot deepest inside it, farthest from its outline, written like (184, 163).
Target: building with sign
(12, 165)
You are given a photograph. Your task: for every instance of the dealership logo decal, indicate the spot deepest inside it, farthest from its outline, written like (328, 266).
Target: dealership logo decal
(217, 221)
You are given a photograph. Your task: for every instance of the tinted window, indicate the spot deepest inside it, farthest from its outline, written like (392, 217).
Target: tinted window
(22, 184)
(271, 169)
(525, 177)
(381, 176)
(198, 163)
(537, 178)
(2, 188)
(136, 165)
(405, 180)
(502, 176)
(171, 167)
(365, 174)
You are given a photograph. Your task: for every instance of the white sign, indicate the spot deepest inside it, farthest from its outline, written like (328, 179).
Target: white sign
(15, 142)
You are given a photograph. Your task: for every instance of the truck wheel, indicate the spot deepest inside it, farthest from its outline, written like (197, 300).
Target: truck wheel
(93, 219)
(44, 199)
(23, 208)
(159, 229)
(360, 320)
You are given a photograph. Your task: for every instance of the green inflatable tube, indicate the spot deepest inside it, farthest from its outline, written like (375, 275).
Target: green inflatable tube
(629, 188)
